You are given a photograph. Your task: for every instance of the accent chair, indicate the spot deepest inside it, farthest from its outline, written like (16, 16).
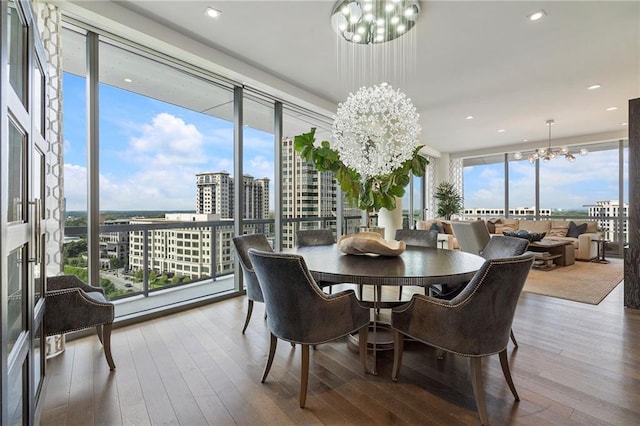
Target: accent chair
(72, 305)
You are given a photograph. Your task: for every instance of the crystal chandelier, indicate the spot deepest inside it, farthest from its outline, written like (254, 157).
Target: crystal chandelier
(376, 130)
(374, 21)
(548, 154)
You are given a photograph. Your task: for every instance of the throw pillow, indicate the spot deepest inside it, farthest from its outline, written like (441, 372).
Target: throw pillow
(436, 227)
(491, 226)
(558, 232)
(448, 229)
(576, 230)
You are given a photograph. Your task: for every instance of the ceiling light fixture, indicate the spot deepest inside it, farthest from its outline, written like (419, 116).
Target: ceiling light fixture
(374, 21)
(547, 154)
(537, 15)
(127, 80)
(212, 13)
(593, 87)
(469, 117)
(612, 108)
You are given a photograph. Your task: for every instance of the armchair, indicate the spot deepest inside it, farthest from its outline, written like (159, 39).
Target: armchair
(242, 244)
(72, 305)
(472, 236)
(299, 312)
(480, 316)
(417, 237)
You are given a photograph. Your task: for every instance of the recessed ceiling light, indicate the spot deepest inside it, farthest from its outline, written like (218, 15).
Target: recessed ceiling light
(612, 108)
(593, 87)
(212, 13)
(501, 131)
(469, 117)
(624, 124)
(525, 140)
(536, 16)
(128, 80)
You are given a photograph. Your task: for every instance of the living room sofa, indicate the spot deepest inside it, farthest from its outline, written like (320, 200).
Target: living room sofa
(556, 230)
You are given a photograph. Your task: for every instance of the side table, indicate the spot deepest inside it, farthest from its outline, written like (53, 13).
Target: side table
(602, 245)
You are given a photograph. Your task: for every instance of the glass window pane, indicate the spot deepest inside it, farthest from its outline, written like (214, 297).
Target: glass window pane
(16, 305)
(483, 189)
(15, 400)
(38, 359)
(16, 33)
(15, 182)
(306, 193)
(522, 189)
(38, 95)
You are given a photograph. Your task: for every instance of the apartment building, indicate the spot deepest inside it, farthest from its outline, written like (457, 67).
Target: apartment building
(607, 214)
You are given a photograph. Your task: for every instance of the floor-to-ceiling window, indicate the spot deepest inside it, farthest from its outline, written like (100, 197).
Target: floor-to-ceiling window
(483, 190)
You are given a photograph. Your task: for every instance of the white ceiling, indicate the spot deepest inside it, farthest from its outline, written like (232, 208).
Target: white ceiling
(480, 58)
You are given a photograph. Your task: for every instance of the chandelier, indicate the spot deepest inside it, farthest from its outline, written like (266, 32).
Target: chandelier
(374, 21)
(547, 154)
(376, 130)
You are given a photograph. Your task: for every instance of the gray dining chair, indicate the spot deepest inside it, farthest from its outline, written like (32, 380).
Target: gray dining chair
(316, 237)
(298, 311)
(242, 244)
(501, 246)
(420, 238)
(475, 324)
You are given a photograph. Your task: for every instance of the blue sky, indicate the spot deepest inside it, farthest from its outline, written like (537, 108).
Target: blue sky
(150, 152)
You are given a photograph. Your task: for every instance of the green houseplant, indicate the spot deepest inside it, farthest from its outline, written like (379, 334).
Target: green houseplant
(369, 193)
(448, 199)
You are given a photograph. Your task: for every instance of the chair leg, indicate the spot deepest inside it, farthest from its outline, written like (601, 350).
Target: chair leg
(378, 290)
(360, 290)
(99, 332)
(106, 345)
(272, 351)
(400, 293)
(478, 393)
(363, 334)
(513, 339)
(398, 347)
(249, 311)
(304, 375)
(504, 363)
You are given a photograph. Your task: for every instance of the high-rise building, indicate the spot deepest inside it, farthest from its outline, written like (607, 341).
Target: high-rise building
(606, 214)
(215, 195)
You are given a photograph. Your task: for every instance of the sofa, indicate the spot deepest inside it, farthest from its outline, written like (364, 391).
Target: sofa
(579, 233)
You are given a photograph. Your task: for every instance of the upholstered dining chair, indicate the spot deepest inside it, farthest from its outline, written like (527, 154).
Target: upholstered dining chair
(72, 305)
(300, 312)
(314, 237)
(242, 244)
(475, 324)
(502, 246)
(417, 237)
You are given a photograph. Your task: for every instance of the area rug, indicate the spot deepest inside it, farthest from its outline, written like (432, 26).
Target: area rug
(584, 282)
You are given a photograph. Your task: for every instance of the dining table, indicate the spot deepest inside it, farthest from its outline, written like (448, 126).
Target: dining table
(416, 266)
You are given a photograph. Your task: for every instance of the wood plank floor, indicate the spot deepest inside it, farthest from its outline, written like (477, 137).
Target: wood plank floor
(577, 364)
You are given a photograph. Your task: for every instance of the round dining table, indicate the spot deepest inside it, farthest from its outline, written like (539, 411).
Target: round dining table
(421, 266)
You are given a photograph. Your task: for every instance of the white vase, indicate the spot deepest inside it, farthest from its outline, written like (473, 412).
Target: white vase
(391, 220)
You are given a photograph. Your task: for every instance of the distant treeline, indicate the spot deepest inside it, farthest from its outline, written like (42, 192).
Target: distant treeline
(79, 217)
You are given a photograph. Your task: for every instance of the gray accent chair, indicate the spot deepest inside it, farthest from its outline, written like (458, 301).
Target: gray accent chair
(72, 305)
(298, 311)
(242, 244)
(314, 237)
(472, 237)
(417, 237)
(475, 324)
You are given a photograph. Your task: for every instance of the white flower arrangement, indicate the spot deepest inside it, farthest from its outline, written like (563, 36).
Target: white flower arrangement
(376, 130)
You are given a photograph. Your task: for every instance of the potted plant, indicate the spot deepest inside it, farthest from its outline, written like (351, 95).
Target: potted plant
(448, 199)
(369, 193)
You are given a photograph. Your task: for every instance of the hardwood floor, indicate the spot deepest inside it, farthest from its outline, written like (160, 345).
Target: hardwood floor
(577, 364)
